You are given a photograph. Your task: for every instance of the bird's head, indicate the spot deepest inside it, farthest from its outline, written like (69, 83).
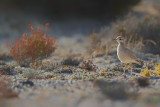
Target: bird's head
(120, 39)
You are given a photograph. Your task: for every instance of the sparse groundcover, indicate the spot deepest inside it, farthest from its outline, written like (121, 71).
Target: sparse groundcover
(88, 65)
(115, 90)
(44, 65)
(6, 69)
(71, 61)
(5, 91)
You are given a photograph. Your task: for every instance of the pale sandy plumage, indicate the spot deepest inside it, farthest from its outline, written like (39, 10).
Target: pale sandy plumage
(125, 55)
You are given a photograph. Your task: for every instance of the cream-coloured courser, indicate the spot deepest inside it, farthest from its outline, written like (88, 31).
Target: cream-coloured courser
(125, 55)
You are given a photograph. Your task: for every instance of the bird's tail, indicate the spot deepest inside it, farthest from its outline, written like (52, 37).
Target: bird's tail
(139, 62)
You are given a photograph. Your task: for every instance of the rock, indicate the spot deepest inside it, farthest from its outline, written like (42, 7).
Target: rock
(143, 81)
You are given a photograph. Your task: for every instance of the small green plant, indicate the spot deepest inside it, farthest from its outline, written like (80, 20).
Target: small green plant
(88, 65)
(148, 72)
(157, 69)
(37, 45)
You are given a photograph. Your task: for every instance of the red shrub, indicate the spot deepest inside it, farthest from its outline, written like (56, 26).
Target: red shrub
(36, 45)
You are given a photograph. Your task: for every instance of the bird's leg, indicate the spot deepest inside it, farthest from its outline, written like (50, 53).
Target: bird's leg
(131, 69)
(124, 69)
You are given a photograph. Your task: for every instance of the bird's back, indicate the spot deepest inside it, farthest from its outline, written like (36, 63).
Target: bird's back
(125, 55)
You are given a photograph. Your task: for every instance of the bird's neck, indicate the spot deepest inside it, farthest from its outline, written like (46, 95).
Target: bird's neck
(121, 44)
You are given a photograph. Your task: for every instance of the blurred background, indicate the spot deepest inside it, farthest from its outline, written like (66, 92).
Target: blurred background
(67, 17)
(135, 19)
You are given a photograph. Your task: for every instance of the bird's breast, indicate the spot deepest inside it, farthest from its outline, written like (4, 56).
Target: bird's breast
(121, 54)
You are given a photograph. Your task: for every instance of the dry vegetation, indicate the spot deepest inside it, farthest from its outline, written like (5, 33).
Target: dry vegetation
(142, 32)
(28, 49)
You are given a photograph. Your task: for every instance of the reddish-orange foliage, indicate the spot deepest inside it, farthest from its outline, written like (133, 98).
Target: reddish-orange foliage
(36, 45)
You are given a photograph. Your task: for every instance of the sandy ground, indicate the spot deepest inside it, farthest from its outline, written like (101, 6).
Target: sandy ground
(72, 86)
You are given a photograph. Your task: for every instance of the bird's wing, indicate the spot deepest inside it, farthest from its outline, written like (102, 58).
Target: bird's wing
(130, 55)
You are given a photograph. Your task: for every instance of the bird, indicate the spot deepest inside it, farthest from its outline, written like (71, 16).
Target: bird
(125, 55)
